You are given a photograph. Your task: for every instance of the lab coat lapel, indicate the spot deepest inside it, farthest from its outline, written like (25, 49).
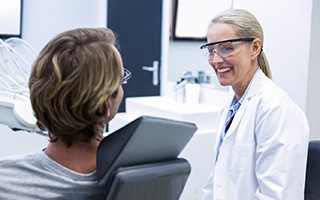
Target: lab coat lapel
(258, 82)
(237, 118)
(220, 128)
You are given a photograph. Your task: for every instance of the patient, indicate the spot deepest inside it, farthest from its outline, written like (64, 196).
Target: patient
(75, 89)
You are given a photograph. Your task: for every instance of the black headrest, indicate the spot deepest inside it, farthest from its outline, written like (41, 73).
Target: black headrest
(144, 140)
(313, 169)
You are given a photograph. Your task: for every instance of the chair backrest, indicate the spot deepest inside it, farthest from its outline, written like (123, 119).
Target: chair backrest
(156, 181)
(312, 184)
(141, 159)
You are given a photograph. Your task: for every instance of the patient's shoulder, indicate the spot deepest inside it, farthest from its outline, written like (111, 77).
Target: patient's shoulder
(20, 160)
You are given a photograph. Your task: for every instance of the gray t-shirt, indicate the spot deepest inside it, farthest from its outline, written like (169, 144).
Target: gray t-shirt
(36, 176)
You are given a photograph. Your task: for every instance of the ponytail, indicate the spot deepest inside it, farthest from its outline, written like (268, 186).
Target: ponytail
(264, 65)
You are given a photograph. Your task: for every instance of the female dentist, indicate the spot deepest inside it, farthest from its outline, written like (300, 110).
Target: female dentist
(262, 139)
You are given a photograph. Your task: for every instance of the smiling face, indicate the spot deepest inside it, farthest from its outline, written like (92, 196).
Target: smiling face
(236, 70)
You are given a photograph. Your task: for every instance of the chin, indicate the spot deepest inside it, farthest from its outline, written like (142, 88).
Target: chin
(223, 83)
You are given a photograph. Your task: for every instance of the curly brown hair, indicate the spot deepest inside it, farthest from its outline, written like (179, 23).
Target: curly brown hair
(72, 81)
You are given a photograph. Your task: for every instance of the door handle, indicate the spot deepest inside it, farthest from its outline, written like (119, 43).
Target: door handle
(155, 72)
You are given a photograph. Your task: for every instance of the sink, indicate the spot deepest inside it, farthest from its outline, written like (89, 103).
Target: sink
(203, 115)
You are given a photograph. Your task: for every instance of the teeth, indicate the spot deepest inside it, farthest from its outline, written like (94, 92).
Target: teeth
(223, 69)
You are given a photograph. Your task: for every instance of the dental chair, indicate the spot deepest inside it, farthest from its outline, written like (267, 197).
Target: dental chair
(140, 161)
(312, 184)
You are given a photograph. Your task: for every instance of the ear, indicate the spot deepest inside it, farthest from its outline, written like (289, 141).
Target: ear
(256, 48)
(107, 113)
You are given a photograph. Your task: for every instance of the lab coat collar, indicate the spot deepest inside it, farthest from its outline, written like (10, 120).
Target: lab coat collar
(258, 82)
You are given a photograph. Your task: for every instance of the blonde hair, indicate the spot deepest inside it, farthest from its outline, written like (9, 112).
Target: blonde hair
(72, 81)
(246, 25)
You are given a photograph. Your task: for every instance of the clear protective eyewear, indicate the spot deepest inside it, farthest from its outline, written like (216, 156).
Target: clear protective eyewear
(126, 76)
(224, 48)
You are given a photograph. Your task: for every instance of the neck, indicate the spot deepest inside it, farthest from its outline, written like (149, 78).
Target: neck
(80, 157)
(239, 89)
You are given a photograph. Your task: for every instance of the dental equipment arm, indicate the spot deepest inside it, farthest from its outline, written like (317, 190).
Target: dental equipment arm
(16, 112)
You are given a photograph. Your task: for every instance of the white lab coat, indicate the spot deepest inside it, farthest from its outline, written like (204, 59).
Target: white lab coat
(264, 153)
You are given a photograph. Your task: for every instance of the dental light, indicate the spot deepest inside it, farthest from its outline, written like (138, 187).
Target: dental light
(16, 57)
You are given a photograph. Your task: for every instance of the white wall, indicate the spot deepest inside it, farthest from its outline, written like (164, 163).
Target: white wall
(42, 20)
(287, 41)
(313, 95)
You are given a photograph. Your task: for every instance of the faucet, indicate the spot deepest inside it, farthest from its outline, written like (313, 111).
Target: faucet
(180, 84)
(179, 88)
